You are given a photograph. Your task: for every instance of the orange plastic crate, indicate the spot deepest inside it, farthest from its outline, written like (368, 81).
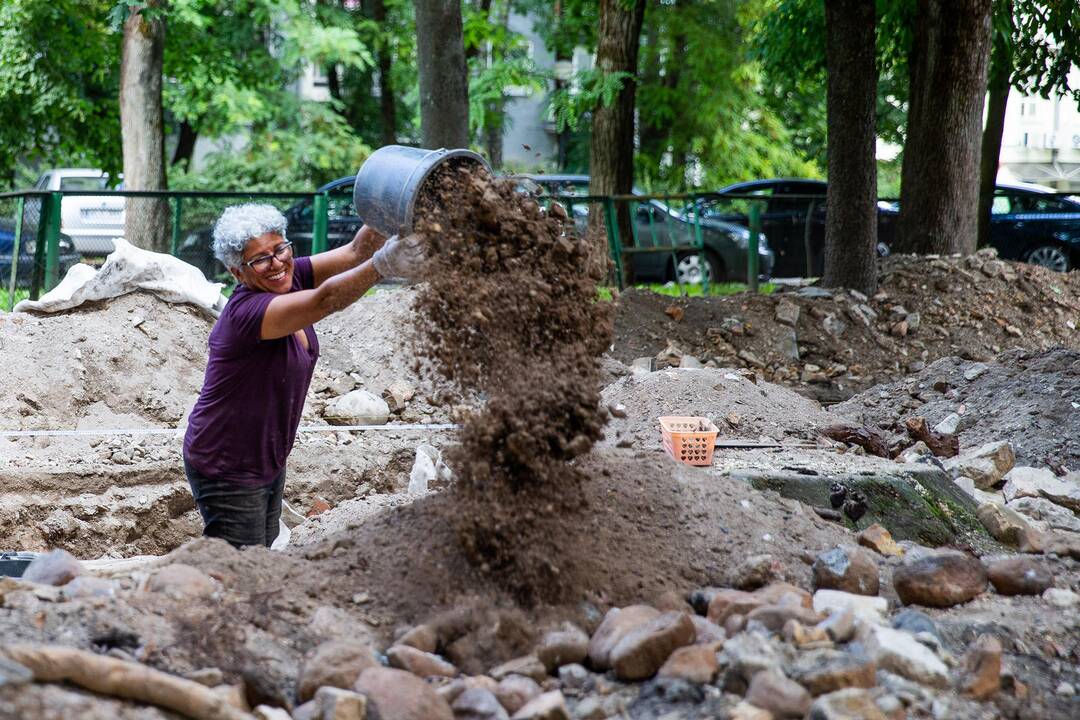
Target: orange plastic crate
(689, 439)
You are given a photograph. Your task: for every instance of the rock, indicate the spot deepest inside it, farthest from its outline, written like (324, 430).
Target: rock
(209, 677)
(839, 626)
(516, 690)
(549, 706)
(527, 665)
(825, 671)
(1061, 598)
(880, 541)
(400, 695)
(974, 371)
(771, 691)
(774, 617)
(981, 677)
(915, 622)
(1055, 516)
(689, 361)
(337, 663)
(397, 395)
(1003, 523)
(1033, 482)
(644, 649)
(726, 603)
(805, 637)
(782, 593)
(1019, 576)
(940, 580)
(757, 571)
(1065, 689)
(850, 704)
(899, 652)
(337, 704)
(949, 425)
(12, 673)
(181, 581)
(706, 632)
(694, 663)
(748, 654)
(745, 711)
(985, 465)
(671, 600)
(568, 644)
(573, 676)
(358, 407)
(478, 704)
(848, 569)
(616, 624)
(55, 568)
(1062, 544)
(787, 313)
(915, 453)
(831, 602)
(591, 708)
(421, 637)
(89, 586)
(418, 662)
(267, 712)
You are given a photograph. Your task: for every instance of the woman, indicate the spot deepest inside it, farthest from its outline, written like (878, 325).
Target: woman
(263, 350)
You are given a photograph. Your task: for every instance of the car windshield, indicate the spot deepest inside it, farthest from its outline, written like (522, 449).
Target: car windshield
(84, 183)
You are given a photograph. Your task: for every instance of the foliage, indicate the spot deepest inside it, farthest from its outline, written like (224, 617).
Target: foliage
(1044, 39)
(587, 89)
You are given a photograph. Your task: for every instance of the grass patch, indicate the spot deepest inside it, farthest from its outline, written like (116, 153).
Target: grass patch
(672, 290)
(6, 301)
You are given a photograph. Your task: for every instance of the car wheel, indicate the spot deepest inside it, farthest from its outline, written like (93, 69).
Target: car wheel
(1052, 257)
(689, 269)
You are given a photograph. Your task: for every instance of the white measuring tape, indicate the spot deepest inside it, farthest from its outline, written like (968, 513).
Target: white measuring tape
(174, 431)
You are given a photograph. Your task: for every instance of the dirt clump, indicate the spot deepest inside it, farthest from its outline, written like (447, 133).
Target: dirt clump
(507, 314)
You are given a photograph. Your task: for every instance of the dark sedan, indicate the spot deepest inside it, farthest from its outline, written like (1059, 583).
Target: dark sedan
(1037, 226)
(656, 225)
(24, 271)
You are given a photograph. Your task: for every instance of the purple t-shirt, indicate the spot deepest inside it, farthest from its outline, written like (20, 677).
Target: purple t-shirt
(244, 423)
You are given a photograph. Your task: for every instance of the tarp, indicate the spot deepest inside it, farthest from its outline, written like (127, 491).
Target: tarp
(125, 270)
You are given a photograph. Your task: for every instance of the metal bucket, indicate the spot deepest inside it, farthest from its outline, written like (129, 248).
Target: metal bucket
(14, 564)
(389, 181)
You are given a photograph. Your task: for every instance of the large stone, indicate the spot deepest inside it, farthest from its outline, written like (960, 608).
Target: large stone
(783, 593)
(693, 663)
(747, 711)
(337, 663)
(849, 569)
(748, 654)
(615, 626)
(418, 662)
(985, 465)
(358, 407)
(644, 649)
(181, 581)
(706, 632)
(337, 704)
(549, 706)
(400, 695)
(478, 704)
(915, 621)
(527, 665)
(726, 603)
(1042, 510)
(568, 644)
(1003, 523)
(870, 607)
(899, 652)
(850, 704)
(771, 691)
(787, 312)
(421, 637)
(516, 690)
(940, 580)
(879, 540)
(826, 670)
(12, 673)
(839, 626)
(1019, 576)
(56, 568)
(757, 571)
(1060, 597)
(981, 678)
(774, 617)
(1037, 482)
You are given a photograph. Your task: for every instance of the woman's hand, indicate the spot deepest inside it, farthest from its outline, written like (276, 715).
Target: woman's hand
(366, 242)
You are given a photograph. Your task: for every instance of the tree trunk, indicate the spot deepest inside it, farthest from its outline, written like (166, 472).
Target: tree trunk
(185, 144)
(444, 85)
(939, 192)
(142, 127)
(851, 202)
(1000, 70)
(387, 102)
(611, 152)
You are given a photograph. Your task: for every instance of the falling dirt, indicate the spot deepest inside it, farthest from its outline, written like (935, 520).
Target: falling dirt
(508, 314)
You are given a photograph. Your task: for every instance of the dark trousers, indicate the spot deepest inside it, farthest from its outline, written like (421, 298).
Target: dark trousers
(235, 513)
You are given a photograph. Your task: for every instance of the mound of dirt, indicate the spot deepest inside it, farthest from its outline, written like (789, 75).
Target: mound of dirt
(1031, 399)
(832, 344)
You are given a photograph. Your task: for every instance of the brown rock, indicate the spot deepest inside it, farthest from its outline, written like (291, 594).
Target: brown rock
(943, 579)
(734, 625)
(616, 624)
(642, 651)
(840, 626)
(1003, 523)
(706, 632)
(400, 695)
(774, 617)
(757, 571)
(516, 690)
(418, 662)
(337, 704)
(671, 600)
(731, 602)
(478, 704)
(1031, 541)
(771, 691)
(846, 705)
(179, 580)
(825, 671)
(782, 593)
(880, 540)
(849, 569)
(337, 663)
(1063, 544)
(746, 711)
(421, 637)
(527, 665)
(549, 706)
(693, 663)
(981, 677)
(803, 636)
(1019, 576)
(566, 645)
(56, 568)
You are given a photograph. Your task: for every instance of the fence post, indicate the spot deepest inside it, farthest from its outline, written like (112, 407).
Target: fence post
(52, 243)
(15, 251)
(699, 241)
(806, 238)
(178, 214)
(318, 228)
(752, 248)
(614, 244)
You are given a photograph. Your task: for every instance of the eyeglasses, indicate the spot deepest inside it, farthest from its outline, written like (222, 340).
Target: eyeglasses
(262, 263)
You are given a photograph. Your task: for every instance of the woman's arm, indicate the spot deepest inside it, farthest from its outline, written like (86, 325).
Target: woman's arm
(294, 311)
(333, 262)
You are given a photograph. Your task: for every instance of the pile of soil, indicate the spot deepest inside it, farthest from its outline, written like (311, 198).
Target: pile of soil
(830, 345)
(1031, 399)
(507, 314)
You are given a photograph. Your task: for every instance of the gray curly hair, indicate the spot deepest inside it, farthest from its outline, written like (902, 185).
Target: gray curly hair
(238, 224)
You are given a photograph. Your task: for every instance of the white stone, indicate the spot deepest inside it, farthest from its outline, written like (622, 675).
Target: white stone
(869, 607)
(1060, 597)
(358, 407)
(267, 712)
(986, 465)
(1053, 515)
(899, 652)
(1038, 482)
(948, 425)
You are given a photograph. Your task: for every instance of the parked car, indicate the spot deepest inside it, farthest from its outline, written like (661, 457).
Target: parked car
(783, 220)
(24, 271)
(91, 221)
(1033, 224)
(655, 224)
(342, 224)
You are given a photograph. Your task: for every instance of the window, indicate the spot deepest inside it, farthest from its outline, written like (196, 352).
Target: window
(84, 183)
(1002, 205)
